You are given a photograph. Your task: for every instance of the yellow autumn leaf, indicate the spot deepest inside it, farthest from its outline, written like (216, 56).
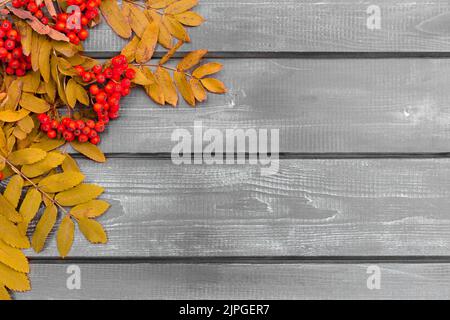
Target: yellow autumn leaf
(146, 46)
(26, 156)
(61, 181)
(140, 78)
(44, 57)
(80, 194)
(191, 59)
(190, 18)
(71, 92)
(13, 258)
(175, 28)
(154, 90)
(180, 6)
(129, 51)
(48, 144)
(114, 17)
(165, 80)
(13, 95)
(65, 235)
(34, 104)
(28, 209)
(184, 87)
(4, 294)
(90, 209)
(9, 211)
(13, 116)
(66, 48)
(19, 133)
(52, 160)
(26, 124)
(213, 85)
(43, 228)
(207, 69)
(25, 32)
(171, 52)
(89, 150)
(164, 36)
(69, 164)
(199, 91)
(159, 4)
(92, 230)
(35, 44)
(11, 235)
(137, 18)
(13, 190)
(14, 280)
(31, 81)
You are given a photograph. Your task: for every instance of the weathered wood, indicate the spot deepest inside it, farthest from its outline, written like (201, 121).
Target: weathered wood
(302, 26)
(240, 281)
(353, 207)
(337, 105)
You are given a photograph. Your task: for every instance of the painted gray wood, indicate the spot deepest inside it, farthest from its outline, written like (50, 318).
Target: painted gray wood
(302, 26)
(240, 281)
(354, 207)
(318, 106)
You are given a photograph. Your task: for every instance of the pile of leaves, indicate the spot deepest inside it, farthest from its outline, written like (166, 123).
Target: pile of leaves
(53, 106)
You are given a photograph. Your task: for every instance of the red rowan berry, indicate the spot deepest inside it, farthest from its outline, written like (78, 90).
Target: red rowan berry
(92, 134)
(32, 7)
(90, 123)
(16, 3)
(80, 124)
(6, 25)
(60, 128)
(54, 124)
(107, 73)
(9, 70)
(83, 34)
(44, 20)
(65, 121)
(20, 72)
(38, 14)
(87, 77)
(71, 126)
(43, 118)
(79, 69)
(94, 89)
(10, 44)
(12, 34)
(83, 138)
(17, 53)
(45, 126)
(84, 21)
(101, 97)
(130, 73)
(100, 126)
(68, 136)
(51, 134)
(95, 140)
(125, 91)
(100, 78)
(60, 26)
(97, 107)
(77, 132)
(86, 130)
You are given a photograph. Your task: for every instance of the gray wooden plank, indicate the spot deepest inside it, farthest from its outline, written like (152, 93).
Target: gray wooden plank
(308, 25)
(353, 207)
(318, 106)
(240, 281)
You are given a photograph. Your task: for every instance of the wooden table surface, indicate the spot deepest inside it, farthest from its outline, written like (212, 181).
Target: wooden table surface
(364, 177)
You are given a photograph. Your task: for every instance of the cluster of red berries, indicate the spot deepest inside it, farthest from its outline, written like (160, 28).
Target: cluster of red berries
(109, 85)
(76, 28)
(70, 129)
(11, 54)
(32, 7)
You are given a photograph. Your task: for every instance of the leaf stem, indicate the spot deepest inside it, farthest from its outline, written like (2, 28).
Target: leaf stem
(16, 170)
(165, 67)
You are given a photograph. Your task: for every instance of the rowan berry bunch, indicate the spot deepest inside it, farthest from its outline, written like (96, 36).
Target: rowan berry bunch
(11, 55)
(70, 129)
(88, 10)
(31, 6)
(108, 84)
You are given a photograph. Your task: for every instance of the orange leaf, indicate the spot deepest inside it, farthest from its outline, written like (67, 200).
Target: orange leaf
(207, 69)
(199, 91)
(180, 6)
(169, 90)
(184, 87)
(171, 52)
(213, 85)
(175, 28)
(114, 17)
(154, 90)
(146, 46)
(190, 18)
(191, 59)
(159, 4)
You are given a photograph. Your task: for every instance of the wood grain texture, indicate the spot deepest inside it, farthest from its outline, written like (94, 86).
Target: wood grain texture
(240, 281)
(318, 106)
(378, 207)
(308, 25)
